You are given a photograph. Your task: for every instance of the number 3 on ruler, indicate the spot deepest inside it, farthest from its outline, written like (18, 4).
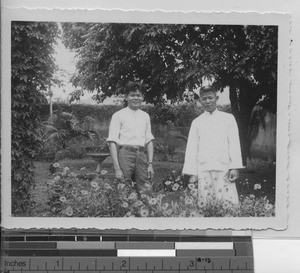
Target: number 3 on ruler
(192, 263)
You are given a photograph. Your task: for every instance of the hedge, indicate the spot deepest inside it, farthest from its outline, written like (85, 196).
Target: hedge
(180, 115)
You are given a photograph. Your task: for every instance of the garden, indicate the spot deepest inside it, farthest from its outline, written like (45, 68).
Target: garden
(52, 171)
(69, 186)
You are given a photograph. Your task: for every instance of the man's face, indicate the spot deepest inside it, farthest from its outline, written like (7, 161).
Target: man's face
(209, 101)
(134, 99)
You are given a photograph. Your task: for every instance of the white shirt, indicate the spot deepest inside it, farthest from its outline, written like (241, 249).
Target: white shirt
(213, 144)
(130, 127)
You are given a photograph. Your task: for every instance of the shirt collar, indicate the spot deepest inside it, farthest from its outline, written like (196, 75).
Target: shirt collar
(214, 113)
(132, 111)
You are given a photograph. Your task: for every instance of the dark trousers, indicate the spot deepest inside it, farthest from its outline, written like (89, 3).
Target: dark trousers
(134, 167)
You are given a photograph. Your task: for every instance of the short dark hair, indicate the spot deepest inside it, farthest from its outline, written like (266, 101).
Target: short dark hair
(134, 86)
(207, 89)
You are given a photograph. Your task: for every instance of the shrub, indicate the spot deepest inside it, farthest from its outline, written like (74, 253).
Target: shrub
(32, 68)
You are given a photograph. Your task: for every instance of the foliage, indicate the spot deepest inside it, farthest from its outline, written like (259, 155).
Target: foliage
(32, 68)
(72, 195)
(171, 58)
(63, 127)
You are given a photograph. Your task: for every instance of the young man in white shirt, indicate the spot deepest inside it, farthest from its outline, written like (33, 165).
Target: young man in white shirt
(131, 141)
(213, 153)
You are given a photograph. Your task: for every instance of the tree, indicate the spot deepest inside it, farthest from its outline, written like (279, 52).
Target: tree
(32, 68)
(170, 58)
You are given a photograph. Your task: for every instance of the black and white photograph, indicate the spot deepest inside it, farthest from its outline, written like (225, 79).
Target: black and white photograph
(132, 119)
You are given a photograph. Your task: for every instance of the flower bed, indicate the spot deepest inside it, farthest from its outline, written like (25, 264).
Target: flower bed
(100, 195)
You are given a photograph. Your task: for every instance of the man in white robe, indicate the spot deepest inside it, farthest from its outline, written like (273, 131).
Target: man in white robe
(213, 153)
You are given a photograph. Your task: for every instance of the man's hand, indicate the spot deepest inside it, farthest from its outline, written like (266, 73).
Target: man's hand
(119, 175)
(193, 179)
(150, 171)
(233, 175)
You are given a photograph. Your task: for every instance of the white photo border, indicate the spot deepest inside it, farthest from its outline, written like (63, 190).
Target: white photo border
(279, 222)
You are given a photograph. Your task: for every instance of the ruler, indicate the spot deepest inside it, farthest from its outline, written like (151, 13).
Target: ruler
(112, 253)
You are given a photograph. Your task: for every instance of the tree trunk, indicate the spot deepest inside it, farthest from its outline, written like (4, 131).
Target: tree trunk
(242, 102)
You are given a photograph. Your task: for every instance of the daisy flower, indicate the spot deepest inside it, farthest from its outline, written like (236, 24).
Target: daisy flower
(175, 187)
(73, 175)
(257, 186)
(56, 178)
(124, 205)
(103, 172)
(107, 186)
(188, 201)
(213, 202)
(69, 211)
(194, 192)
(144, 212)
(51, 182)
(268, 206)
(165, 206)
(226, 204)
(137, 203)
(191, 186)
(168, 183)
(177, 179)
(56, 165)
(193, 214)
(132, 196)
(121, 186)
(63, 199)
(201, 203)
(169, 212)
(94, 184)
(84, 192)
(152, 201)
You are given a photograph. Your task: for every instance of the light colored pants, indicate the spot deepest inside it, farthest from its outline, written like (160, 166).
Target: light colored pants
(134, 168)
(215, 185)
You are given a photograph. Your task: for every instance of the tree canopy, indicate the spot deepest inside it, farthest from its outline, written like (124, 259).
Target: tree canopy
(170, 59)
(32, 70)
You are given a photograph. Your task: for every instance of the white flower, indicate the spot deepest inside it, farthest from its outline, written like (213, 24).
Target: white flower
(84, 192)
(132, 196)
(194, 192)
(188, 201)
(82, 169)
(63, 199)
(168, 182)
(56, 178)
(73, 175)
(175, 187)
(124, 205)
(144, 212)
(268, 206)
(191, 186)
(103, 172)
(55, 165)
(152, 201)
(69, 211)
(257, 187)
(94, 184)
(169, 212)
(121, 186)
(193, 214)
(165, 206)
(107, 186)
